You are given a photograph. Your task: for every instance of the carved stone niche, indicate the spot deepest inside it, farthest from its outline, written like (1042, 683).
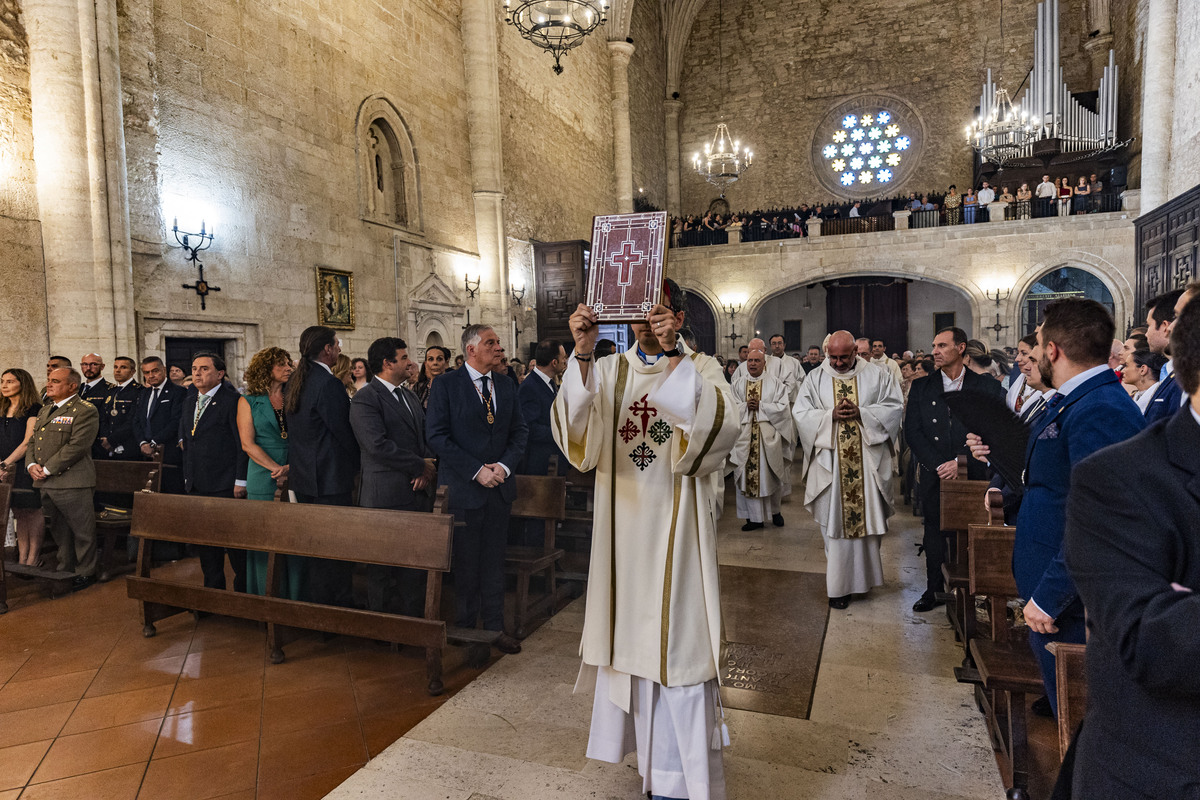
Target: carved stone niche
(434, 311)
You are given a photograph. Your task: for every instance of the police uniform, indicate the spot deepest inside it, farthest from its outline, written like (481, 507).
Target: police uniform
(98, 396)
(116, 422)
(61, 445)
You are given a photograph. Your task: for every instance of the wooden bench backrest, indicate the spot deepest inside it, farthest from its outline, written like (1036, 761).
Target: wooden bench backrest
(991, 560)
(5, 492)
(365, 535)
(1071, 673)
(128, 477)
(962, 504)
(540, 497)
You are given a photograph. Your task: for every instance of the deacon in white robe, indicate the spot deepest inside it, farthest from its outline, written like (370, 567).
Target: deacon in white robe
(765, 445)
(787, 371)
(654, 427)
(847, 417)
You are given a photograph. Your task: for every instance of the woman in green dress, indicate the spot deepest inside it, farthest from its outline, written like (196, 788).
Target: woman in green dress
(263, 429)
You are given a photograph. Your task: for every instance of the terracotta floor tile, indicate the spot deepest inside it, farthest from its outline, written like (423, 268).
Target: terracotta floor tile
(13, 794)
(384, 695)
(203, 730)
(132, 647)
(114, 678)
(97, 750)
(45, 691)
(310, 787)
(248, 794)
(291, 756)
(11, 662)
(18, 762)
(382, 663)
(312, 709)
(226, 659)
(34, 724)
(197, 694)
(50, 663)
(304, 674)
(381, 730)
(203, 774)
(111, 710)
(121, 783)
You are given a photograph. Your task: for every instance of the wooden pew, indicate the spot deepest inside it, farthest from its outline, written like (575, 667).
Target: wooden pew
(361, 535)
(119, 481)
(1071, 674)
(961, 507)
(1006, 665)
(544, 498)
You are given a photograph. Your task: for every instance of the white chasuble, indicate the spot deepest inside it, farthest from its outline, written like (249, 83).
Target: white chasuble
(840, 494)
(653, 602)
(766, 437)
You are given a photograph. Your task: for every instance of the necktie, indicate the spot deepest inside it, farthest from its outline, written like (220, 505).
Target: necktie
(403, 400)
(201, 404)
(153, 402)
(1032, 408)
(1055, 401)
(486, 394)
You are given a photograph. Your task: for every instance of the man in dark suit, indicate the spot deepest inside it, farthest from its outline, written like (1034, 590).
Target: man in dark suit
(59, 461)
(155, 421)
(214, 464)
(1089, 411)
(53, 363)
(536, 395)
(936, 439)
(116, 422)
(398, 471)
(474, 426)
(1168, 396)
(1135, 556)
(95, 389)
(322, 450)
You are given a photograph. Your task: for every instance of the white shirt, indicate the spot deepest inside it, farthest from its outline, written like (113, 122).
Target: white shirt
(547, 378)
(956, 384)
(1143, 398)
(392, 391)
(854, 212)
(1066, 389)
(328, 368)
(986, 195)
(1046, 189)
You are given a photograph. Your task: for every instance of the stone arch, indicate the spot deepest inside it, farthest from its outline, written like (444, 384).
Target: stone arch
(389, 171)
(1114, 280)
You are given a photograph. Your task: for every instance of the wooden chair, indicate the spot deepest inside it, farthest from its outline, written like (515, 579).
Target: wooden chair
(962, 506)
(361, 535)
(1071, 674)
(118, 482)
(544, 498)
(1007, 668)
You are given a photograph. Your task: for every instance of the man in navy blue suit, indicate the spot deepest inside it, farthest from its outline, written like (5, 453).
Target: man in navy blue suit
(1160, 315)
(474, 425)
(536, 395)
(1090, 411)
(155, 421)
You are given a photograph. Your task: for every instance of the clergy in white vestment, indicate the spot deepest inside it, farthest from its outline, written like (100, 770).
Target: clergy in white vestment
(880, 358)
(847, 417)
(654, 422)
(766, 442)
(783, 371)
(790, 368)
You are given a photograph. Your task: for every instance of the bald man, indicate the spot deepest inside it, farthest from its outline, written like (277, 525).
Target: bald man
(778, 370)
(847, 413)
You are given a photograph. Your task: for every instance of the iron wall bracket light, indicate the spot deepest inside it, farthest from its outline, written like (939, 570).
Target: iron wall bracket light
(193, 244)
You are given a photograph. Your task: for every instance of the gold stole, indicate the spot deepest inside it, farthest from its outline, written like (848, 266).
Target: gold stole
(753, 392)
(850, 463)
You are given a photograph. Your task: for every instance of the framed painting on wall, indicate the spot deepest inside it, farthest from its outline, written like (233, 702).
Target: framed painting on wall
(335, 298)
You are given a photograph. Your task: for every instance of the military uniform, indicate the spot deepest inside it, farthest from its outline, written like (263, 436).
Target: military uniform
(61, 444)
(116, 422)
(98, 396)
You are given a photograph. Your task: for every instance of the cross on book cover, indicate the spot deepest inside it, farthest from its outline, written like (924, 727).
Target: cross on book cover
(629, 254)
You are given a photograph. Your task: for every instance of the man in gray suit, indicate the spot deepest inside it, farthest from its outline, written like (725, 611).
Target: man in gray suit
(398, 471)
(60, 462)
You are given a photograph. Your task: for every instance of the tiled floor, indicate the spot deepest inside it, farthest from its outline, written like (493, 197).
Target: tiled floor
(91, 710)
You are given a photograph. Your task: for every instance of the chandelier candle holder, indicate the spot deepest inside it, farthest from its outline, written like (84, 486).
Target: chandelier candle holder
(193, 244)
(724, 159)
(556, 26)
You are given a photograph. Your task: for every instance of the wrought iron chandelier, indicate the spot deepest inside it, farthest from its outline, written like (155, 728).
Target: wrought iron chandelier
(1002, 132)
(724, 158)
(556, 25)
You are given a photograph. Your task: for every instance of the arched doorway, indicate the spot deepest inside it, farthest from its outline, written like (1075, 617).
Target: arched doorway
(1059, 283)
(703, 322)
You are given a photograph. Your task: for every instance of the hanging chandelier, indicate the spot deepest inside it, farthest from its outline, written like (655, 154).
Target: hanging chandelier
(555, 25)
(724, 159)
(1002, 132)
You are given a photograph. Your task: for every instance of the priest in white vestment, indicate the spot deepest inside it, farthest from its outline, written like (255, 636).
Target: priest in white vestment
(765, 445)
(880, 358)
(781, 370)
(654, 422)
(847, 417)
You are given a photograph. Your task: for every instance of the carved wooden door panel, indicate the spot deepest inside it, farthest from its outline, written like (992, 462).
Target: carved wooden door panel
(559, 269)
(1168, 245)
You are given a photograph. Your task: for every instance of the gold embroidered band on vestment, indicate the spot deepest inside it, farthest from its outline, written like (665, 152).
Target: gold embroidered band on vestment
(850, 463)
(753, 392)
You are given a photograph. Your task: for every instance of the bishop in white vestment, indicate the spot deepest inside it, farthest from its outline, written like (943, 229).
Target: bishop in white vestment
(847, 416)
(765, 445)
(654, 423)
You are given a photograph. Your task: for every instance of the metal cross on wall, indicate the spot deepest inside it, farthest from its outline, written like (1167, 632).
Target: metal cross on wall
(193, 243)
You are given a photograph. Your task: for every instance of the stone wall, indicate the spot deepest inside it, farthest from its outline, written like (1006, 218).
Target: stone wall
(788, 62)
(1185, 128)
(557, 138)
(23, 333)
(647, 90)
(1128, 26)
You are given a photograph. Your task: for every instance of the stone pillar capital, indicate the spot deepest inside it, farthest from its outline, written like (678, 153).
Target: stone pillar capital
(672, 107)
(620, 51)
(901, 218)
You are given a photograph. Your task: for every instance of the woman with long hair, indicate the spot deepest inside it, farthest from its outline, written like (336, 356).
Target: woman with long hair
(1064, 197)
(262, 426)
(437, 358)
(343, 370)
(19, 407)
(360, 373)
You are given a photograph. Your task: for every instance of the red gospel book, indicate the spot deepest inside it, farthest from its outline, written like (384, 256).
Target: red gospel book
(629, 252)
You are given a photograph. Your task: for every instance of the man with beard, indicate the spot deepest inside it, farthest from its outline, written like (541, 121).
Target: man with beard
(1090, 411)
(847, 415)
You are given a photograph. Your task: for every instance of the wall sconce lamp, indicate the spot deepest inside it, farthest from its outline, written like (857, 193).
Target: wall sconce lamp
(517, 292)
(472, 287)
(732, 308)
(998, 294)
(193, 244)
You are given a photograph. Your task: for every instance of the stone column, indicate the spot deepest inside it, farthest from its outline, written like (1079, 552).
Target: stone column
(79, 150)
(996, 211)
(619, 54)
(1158, 100)
(482, 63)
(901, 218)
(814, 227)
(735, 233)
(1099, 20)
(672, 109)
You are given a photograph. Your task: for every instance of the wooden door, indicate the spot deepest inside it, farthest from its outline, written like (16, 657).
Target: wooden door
(559, 269)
